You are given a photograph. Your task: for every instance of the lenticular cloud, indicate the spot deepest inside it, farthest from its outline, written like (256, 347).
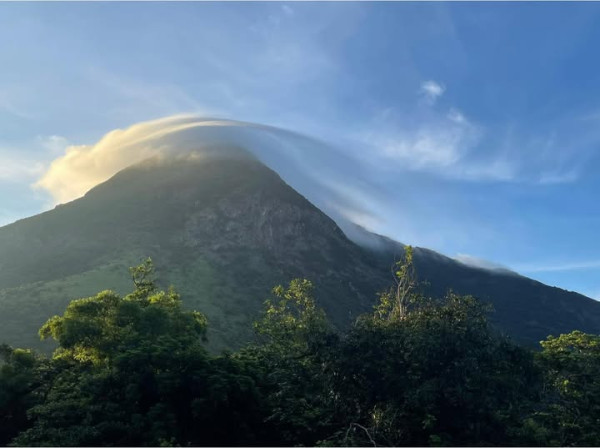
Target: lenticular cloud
(83, 167)
(325, 175)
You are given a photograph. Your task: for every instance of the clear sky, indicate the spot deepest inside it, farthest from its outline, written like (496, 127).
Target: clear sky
(478, 123)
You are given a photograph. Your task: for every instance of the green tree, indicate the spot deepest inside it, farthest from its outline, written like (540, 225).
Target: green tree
(570, 415)
(419, 370)
(295, 341)
(133, 371)
(422, 371)
(22, 376)
(396, 303)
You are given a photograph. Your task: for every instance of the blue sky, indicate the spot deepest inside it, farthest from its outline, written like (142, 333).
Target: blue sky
(469, 128)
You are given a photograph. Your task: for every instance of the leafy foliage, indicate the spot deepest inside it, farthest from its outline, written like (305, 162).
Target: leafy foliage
(570, 413)
(21, 375)
(395, 304)
(295, 335)
(421, 371)
(133, 371)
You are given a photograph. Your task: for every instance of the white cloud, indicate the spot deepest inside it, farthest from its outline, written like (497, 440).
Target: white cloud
(446, 145)
(55, 144)
(456, 116)
(143, 95)
(84, 166)
(340, 182)
(317, 171)
(425, 149)
(558, 177)
(558, 267)
(477, 262)
(432, 90)
(298, 159)
(17, 169)
(287, 10)
(497, 168)
(8, 105)
(453, 146)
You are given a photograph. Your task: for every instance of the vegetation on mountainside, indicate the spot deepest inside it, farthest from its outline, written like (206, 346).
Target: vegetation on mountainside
(134, 370)
(224, 231)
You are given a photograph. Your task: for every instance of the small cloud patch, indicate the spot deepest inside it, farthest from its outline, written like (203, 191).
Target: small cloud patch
(432, 90)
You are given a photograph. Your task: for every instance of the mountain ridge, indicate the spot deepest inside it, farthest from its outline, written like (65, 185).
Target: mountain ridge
(224, 230)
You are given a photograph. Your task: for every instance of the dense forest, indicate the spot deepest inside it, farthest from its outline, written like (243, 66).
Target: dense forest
(418, 371)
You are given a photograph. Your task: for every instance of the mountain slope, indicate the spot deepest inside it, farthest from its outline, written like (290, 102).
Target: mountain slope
(524, 308)
(225, 230)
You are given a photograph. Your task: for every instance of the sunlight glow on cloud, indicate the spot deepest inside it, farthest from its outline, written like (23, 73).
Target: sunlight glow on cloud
(441, 136)
(85, 166)
(349, 182)
(309, 166)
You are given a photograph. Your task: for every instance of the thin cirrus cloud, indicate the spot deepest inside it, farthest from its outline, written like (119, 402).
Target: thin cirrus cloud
(14, 170)
(433, 146)
(54, 144)
(442, 141)
(559, 267)
(446, 144)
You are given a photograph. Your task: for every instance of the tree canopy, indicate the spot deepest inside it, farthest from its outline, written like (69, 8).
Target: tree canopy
(133, 370)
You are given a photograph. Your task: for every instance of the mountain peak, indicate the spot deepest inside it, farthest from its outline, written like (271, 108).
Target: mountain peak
(224, 229)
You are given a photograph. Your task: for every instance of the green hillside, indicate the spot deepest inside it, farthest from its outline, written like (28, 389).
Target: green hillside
(225, 230)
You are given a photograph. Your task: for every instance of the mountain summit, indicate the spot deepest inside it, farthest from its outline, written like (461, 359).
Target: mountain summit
(224, 229)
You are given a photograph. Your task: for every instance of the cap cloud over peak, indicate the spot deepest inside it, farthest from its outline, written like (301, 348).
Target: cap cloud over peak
(311, 167)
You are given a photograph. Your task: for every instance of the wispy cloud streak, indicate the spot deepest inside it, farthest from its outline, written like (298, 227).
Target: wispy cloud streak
(559, 267)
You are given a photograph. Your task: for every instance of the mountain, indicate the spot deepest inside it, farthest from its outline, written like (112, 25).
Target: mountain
(224, 229)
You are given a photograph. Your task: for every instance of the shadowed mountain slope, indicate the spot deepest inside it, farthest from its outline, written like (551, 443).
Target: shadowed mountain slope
(224, 230)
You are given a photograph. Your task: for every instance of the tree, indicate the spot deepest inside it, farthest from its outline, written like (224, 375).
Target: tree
(295, 341)
(395, 303)
(419, 370)
(21, 386)
(133, 371)
(423, 371)
(570, 415)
